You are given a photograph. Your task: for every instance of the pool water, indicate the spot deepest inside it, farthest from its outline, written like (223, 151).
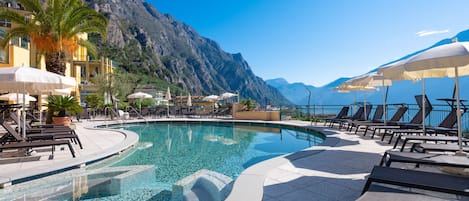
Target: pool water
(180, 149)
(166, 153)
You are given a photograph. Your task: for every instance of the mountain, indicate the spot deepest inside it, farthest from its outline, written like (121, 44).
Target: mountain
(294, 92)
(399, 92)
(144, 41)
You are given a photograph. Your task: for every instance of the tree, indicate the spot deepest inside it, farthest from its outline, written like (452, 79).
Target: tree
(115, 85)
(54, 27)
(248, 104)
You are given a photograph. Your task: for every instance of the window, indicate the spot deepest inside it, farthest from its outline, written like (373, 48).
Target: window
(4, 58)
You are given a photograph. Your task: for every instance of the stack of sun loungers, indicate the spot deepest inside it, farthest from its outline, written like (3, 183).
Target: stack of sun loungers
(46, 137)
(359, 115)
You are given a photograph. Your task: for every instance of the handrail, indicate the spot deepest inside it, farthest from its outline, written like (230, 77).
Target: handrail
(113, 112)
(138, 113)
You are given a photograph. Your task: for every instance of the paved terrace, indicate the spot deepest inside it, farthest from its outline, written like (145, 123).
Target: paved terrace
(97, 144)
(334, 170)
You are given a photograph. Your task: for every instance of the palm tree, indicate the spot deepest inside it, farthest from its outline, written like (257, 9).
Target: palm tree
(53, 27)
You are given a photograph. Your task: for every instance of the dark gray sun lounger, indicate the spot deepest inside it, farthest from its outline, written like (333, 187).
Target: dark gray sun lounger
(59, 134)
(381, 193)
(424, 147)
(424, 158)
(360, 115)
(445, 127)
(34, 144)
(342, 114)
(377, 118)
(418, 179)
(415, 122)
(426, 138)
(395, 118)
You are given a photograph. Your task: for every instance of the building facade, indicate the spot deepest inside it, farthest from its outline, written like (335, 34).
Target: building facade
(22, 52)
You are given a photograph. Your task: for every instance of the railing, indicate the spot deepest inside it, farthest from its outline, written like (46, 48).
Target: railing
(110, 111)
(134, 111)
(317, 112)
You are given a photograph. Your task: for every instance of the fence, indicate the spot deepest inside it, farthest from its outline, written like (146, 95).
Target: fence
(437, 115)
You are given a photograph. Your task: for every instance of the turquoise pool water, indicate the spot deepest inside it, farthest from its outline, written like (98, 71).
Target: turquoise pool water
(168, 152)
(180, 149)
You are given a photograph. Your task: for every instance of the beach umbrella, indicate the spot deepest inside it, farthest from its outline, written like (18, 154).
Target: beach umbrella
(139, 95)
(211, 98)
(168, 94)
(227, 95)
(347, 87)
(31, 80)
(18, 98)
(189, 101)
(372, 79)
(450, 60)
(397, 71)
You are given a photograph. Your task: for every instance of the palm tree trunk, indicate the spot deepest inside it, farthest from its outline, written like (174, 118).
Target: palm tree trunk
(55, 62)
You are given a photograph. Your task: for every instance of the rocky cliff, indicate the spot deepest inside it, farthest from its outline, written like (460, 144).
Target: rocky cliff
(142, 40)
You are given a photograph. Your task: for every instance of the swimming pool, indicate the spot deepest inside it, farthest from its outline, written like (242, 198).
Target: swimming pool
(175, 150)
(179, 149)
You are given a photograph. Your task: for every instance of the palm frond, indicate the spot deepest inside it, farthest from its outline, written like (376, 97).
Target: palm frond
(89, 46)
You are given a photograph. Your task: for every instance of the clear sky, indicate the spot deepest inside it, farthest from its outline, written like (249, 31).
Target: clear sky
(318, 41)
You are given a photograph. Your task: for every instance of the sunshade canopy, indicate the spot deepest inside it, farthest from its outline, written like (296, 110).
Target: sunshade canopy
(32, 80)
(227, 95)
(16, 97)
(139, 95)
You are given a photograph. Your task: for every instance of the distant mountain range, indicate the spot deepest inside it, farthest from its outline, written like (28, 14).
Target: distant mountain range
(400, 92)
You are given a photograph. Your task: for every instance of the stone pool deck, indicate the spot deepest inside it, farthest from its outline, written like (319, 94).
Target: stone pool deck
(334, 170)
(97, 144)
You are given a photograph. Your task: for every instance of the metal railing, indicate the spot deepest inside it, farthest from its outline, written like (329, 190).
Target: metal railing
(318, 112)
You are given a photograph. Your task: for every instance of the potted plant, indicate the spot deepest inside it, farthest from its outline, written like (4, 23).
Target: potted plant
(248, 105)
(62, 106)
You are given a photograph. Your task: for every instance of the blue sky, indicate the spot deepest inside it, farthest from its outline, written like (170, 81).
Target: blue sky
(318, 41)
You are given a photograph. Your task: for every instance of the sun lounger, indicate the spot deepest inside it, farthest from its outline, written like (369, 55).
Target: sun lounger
(415, 122)
(445, 127)
(382, 193)
(418, 179)
(342, 114)
(359, 115)
(424, 158)
(39, 128)
(34, 144)
(426, 138)
(13, 136)
(60, 132)
(377, 117)
(395, 118)
(424, 147)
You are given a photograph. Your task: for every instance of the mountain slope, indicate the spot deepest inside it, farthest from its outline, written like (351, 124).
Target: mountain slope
(142, 40)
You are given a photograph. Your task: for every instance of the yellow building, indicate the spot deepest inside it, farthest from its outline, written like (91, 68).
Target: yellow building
(21, 52)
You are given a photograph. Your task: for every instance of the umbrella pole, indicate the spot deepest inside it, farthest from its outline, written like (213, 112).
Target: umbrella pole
(24, 111)
(384, 101)
(40, 107)
(364, 105)
(423, 107)
(458, 112)
(18, 113)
